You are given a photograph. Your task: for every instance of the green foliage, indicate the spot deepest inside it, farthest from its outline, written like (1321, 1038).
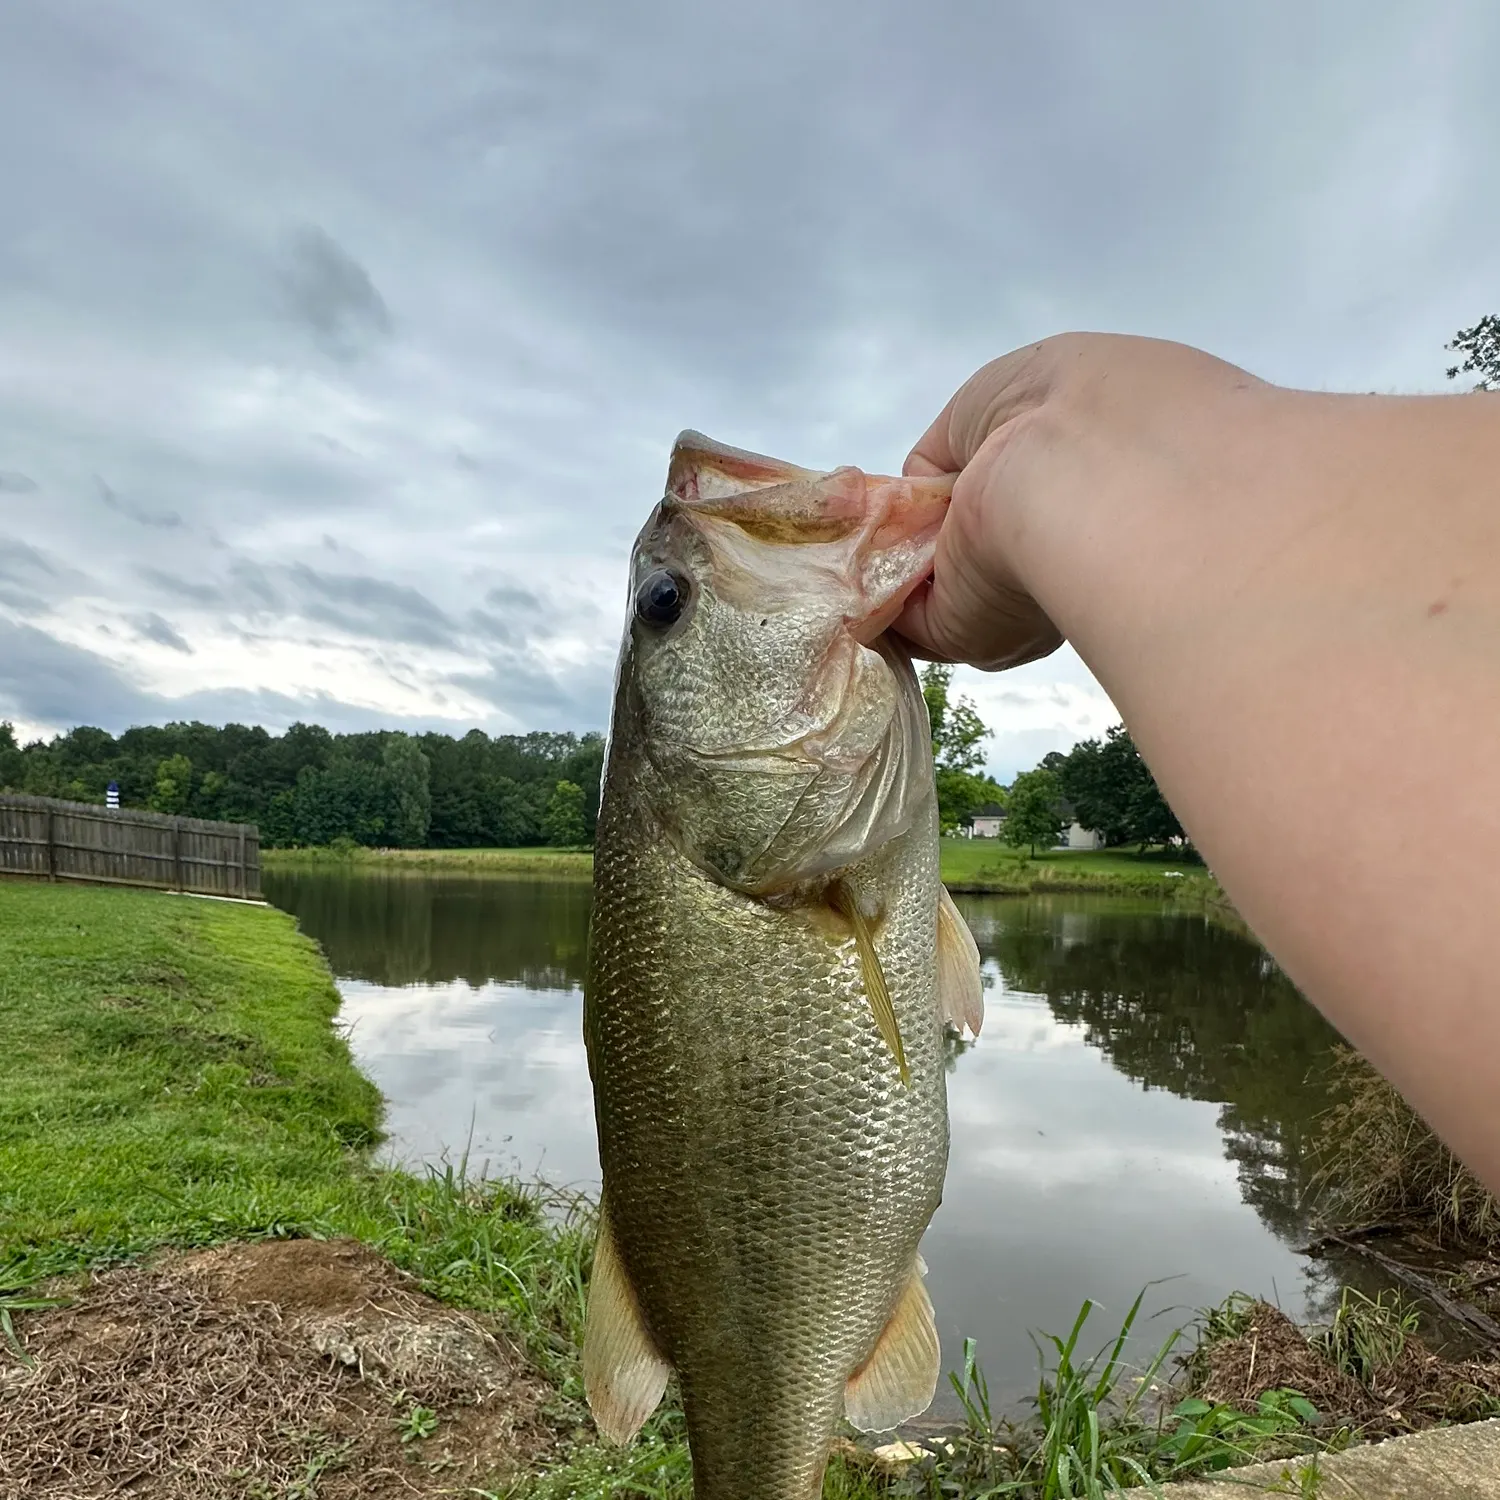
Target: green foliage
(12, 763)
(1367, 1333)
(1480, 346)
(1112, 790)
(1033, 811)
(405, 772)
(174, 785)
(957, 735)
(1100, 1428)
(308, 787)
(563, 822)
(417, 1423)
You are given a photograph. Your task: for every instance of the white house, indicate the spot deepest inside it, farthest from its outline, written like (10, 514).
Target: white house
(987, 821)
(1079, 837)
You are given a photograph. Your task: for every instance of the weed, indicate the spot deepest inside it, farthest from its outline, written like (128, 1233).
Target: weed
(1367, 1334)
(419, 1422)
(1379, 1160)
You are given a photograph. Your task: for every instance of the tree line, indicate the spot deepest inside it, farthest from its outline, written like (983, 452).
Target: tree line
(384, 788)
(309, 786)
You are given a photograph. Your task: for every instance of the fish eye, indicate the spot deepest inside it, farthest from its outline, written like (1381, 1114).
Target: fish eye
(661, 598)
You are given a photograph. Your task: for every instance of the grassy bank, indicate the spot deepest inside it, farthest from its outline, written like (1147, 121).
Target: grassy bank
(968, 865)
(534, 862)
(171, 1077)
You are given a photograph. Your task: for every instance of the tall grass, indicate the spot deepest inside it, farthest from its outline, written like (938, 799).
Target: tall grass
(1367, 1333)
(1102, 1426)
(1378, 1159)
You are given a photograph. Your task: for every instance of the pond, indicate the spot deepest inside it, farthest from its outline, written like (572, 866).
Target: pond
(1136, 1110)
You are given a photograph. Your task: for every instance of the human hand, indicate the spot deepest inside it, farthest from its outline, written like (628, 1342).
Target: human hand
(1058, 446)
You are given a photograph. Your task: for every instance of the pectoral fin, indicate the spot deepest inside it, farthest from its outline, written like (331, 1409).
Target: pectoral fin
(876, 990)
(623, 1374)
(900, 1378)
(960, 987)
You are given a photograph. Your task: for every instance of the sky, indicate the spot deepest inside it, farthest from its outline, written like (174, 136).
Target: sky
(342, 345)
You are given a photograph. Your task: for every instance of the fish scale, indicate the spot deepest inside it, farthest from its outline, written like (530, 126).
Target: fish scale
(767, 1176)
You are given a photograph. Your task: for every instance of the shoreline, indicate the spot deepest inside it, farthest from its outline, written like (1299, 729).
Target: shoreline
(989, 870)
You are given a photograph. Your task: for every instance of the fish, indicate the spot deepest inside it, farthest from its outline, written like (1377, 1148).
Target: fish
(772, 963)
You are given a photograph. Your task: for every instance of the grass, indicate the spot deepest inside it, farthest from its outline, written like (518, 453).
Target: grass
(972, 865)
(536, 861)
(1379, 1160)
(172, 1077)
(987, 865)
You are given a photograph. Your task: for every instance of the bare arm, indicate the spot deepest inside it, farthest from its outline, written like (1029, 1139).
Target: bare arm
(1294, 600)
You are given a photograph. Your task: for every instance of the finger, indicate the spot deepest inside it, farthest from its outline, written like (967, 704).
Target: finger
(914, 628)
(1003, 389)
(932, 454)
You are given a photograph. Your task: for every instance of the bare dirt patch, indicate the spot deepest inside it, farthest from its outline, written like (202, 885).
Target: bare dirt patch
(1417, 1389)
(287, 1370)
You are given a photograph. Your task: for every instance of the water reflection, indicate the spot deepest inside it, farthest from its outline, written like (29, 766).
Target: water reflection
(1137, 1107)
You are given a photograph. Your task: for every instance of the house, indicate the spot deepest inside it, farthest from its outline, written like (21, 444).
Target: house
(1079, 837)
(987, 821)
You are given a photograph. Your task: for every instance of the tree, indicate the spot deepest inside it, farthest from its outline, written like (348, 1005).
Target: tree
(1033, 810)
(1112, 790)
(405, 773)
(12, 758)
(1480, 346)
(174, 784)
(563, 822)
(957, 735)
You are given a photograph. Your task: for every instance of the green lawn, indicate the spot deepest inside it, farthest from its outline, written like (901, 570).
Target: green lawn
(989, 865)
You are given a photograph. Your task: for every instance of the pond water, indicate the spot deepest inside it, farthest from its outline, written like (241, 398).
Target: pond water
(1136, 1109)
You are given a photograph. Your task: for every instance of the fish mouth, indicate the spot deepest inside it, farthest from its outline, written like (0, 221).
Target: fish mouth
(876, 533)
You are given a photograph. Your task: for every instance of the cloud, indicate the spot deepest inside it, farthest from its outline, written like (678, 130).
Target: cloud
(179, 588)
(159, 519)
(371, 607)
(440, 289)
(333, 295)
(151, 627)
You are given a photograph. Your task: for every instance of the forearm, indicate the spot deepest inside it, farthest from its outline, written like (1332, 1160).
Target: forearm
(1299, 617)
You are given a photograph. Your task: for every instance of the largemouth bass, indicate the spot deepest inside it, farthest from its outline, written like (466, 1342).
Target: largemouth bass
(772, 961)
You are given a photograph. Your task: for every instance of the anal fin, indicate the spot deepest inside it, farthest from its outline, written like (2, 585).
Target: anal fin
(960, 985)
(624, 1375)
(900, 1378)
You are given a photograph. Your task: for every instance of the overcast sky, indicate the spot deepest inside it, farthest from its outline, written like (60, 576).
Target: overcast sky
(342, 345)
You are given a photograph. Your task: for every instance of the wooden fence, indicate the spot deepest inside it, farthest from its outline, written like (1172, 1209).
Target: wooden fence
(56, 840)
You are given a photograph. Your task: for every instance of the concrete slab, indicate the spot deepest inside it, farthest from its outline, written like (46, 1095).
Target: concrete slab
(1447, 1463)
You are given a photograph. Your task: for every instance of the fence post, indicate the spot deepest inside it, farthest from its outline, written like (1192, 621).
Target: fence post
(177, 852)
(244, 882)
(51, 847)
